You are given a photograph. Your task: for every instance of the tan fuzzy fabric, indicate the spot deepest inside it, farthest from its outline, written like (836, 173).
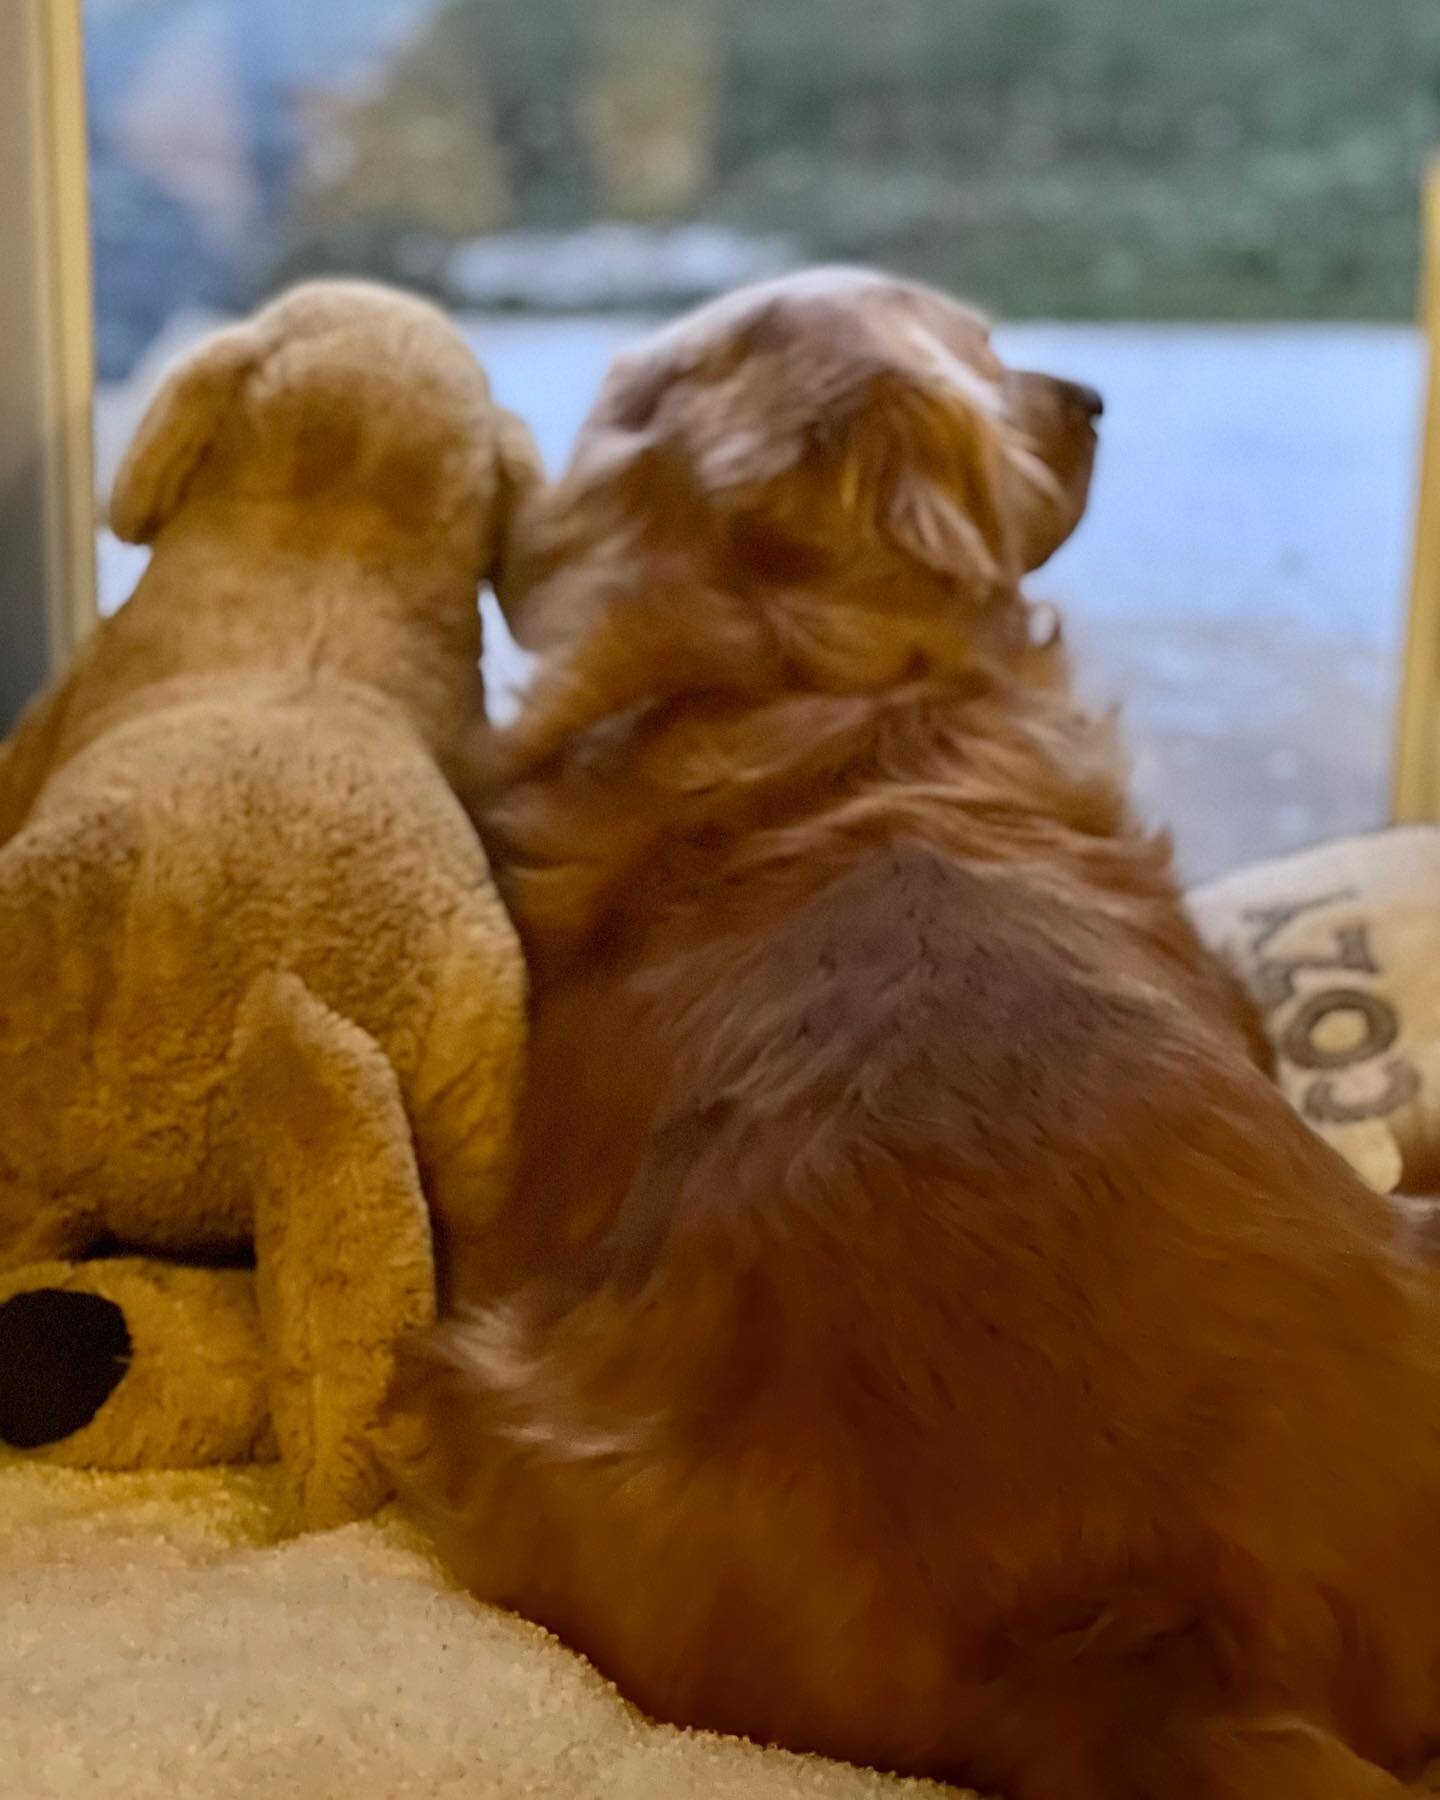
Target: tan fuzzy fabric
(194, 1389)
(256, 990)
(160, 1644)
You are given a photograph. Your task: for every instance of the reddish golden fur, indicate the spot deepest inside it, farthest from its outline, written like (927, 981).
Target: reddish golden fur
(921, 1333)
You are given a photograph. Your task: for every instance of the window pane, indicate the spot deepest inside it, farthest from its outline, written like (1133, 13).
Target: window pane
(1216, 200)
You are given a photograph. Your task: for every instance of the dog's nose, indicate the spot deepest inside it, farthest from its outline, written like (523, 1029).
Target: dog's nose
(1085, 399)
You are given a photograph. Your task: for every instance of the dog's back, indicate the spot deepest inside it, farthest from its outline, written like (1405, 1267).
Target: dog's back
(936, 1348)
(920, 1333)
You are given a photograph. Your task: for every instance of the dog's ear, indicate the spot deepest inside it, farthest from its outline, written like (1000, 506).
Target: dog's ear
(935, 475)
(929, 520)
(176, 432)
(880, 454)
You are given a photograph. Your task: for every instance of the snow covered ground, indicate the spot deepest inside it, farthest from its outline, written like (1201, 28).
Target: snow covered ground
(1238, 586)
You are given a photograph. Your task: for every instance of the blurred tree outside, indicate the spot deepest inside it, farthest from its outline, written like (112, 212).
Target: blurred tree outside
(649, 107)
(1065, 158)
(1073, 159)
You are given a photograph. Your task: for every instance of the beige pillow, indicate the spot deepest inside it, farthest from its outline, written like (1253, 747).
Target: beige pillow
(1341, 947)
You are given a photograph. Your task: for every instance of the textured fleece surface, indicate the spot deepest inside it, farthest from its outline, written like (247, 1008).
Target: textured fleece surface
(159, 1641)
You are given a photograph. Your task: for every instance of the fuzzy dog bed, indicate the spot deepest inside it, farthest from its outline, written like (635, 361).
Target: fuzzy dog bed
(158, 1643)
(158, 1638)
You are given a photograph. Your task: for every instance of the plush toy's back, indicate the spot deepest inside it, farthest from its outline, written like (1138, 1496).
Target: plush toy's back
(258, 991)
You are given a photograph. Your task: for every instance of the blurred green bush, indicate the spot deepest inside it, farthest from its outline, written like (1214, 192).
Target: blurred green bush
(1070, 158)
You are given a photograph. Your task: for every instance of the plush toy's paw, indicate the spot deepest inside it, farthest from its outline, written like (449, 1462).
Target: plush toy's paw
(62, 1355)
(339, 1494)
(125, 1363)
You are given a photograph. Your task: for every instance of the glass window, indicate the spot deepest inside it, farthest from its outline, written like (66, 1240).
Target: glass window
(1208, 208)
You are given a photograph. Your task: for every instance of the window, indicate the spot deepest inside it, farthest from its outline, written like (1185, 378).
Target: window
(1208, 208)
(46, 544)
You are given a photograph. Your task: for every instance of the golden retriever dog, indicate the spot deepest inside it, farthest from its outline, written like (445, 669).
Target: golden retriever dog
(921, 1332)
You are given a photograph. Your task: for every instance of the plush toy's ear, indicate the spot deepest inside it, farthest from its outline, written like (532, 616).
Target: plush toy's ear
(519, 472)
(518, 458)
(176, 432)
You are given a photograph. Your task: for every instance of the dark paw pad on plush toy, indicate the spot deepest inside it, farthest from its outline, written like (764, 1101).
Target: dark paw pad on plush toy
(61, 1357)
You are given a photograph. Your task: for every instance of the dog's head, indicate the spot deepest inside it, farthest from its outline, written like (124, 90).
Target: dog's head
(838, 427)
(343, 399)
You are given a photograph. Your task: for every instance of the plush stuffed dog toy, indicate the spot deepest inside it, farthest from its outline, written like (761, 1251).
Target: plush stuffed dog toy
(256, 991)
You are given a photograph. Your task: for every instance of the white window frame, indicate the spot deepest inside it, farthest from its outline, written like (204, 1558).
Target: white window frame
(47, 377)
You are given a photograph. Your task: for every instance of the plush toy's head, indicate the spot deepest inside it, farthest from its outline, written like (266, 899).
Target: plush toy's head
(343, 401)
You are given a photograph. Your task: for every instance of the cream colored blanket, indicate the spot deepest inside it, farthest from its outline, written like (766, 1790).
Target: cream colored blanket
(157, 1638)
(158, 1642)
